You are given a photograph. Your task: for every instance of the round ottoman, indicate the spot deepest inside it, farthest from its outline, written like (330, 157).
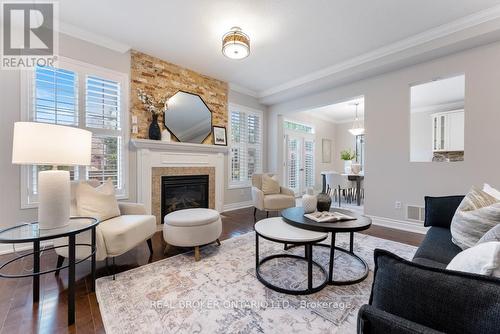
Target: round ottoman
(192, 228)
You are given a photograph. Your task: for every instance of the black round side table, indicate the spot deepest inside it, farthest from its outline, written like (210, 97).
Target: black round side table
(295, 217)
(30, 232)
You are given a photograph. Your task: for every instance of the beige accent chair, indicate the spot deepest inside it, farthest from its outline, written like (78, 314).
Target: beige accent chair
(273, 202)
(114, 236)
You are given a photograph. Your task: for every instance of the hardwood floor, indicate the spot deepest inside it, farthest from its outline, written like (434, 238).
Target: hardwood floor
(19, 315)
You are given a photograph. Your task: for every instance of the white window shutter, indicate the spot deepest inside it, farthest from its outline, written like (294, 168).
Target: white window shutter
(246, 146)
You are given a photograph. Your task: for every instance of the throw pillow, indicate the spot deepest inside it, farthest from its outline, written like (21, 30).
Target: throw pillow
(439, 211)
(481, 259)
(270, 185)
(99, 202)
(476, 215)
(491, 191)
(491, 235)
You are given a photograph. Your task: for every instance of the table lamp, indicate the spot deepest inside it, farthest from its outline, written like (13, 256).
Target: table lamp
(56, 145)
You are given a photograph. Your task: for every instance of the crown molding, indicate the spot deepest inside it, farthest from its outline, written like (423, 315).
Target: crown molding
(243, 90)
(439, 32)
(91, 37)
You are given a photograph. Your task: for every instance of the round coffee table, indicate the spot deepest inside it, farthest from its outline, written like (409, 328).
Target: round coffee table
(276, 230)
(295, 217)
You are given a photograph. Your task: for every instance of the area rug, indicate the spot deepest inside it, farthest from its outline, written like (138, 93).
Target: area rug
(221, 294)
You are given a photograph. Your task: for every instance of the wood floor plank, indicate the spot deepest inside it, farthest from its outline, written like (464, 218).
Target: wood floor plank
(19, 315)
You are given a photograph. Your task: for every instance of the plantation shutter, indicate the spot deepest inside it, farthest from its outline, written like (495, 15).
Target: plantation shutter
(246, 146)
(102, 103)
(103, 114)
(55, 101)
(309, 162)
(55, 96)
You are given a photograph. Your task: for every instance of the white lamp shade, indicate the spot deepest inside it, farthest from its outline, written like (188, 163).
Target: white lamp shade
(48, 144)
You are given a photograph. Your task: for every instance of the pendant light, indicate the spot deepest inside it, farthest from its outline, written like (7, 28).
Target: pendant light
(357, 127)
(235, 44)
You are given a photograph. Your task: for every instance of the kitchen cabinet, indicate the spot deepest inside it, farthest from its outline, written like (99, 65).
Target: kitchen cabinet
(448, 131)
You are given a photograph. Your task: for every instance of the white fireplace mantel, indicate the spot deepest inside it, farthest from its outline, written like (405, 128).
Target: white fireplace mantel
(153, 153)
(176, 146)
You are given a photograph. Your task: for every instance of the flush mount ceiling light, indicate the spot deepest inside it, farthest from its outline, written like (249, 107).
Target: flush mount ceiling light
(235, 44)
(357, 127)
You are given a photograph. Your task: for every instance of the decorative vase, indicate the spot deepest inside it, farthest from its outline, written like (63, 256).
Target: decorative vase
(347, 166)
(356, 168)
(154, 129)
(309, 201)
(165, 136)
(324, 202)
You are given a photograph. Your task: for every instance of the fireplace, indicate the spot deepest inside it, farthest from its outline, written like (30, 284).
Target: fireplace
(183, 192)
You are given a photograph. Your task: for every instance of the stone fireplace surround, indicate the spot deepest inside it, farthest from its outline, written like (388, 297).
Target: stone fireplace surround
(158, 172)
(157, 158)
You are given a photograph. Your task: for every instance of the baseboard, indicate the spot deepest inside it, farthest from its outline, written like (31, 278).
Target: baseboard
(237, 206)
(398, 224)
(7, 248)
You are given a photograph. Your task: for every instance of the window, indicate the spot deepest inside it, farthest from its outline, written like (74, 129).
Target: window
(289, 125)
(80, 95)
(245, 128)
(360, 150)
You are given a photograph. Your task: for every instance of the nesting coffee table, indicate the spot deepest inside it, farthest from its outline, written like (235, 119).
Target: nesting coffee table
(295, 217)
(276, 230)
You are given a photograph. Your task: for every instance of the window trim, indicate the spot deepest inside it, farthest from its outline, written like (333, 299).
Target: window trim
(243, 184)
(26, 108)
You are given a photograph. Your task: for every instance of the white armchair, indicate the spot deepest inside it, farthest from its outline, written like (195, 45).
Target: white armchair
(272, 202)
(114, 236)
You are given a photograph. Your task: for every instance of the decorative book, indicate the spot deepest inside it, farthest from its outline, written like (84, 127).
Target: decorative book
(327, 216)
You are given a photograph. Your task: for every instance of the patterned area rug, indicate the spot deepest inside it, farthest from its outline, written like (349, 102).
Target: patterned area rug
(220, 293)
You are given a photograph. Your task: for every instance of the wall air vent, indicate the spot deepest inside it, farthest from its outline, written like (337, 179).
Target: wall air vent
(415, 213)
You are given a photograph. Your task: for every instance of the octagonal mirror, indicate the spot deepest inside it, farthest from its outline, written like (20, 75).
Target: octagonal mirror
(188, 118)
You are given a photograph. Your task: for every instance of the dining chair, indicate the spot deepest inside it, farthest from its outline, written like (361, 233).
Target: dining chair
(339, 185)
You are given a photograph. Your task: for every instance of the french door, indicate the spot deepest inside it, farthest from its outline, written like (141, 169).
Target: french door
(299, 163)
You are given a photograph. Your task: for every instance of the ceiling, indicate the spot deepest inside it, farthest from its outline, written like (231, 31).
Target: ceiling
(440, 92)
(292, 41)
(339, 112)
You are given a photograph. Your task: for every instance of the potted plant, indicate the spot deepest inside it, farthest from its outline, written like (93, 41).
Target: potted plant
(155, 108)
(348, 156)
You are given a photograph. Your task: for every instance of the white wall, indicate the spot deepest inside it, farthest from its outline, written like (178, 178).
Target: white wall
(10, 200)
(390, 176)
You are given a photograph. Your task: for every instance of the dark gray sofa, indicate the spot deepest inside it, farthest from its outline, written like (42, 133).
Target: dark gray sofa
(421, 296)
(437, 249)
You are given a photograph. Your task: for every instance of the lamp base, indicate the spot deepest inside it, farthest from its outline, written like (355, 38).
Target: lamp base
(54, 199)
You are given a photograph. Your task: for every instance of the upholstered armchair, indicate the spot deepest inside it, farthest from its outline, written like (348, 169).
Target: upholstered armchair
(114, 236)
(270, 202)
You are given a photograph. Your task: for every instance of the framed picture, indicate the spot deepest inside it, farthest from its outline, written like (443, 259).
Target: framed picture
(326, 150)
(220, 136)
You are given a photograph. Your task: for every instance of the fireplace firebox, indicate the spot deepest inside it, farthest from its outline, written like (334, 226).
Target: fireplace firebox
(183, 192)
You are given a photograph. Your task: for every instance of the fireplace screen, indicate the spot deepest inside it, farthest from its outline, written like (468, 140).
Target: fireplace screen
(183, 192)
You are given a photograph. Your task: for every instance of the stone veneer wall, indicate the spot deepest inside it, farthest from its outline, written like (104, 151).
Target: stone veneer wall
(161, 80)
(158, 172)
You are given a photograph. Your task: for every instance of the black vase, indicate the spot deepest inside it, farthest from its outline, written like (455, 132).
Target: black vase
(154, 129)
(324, 202)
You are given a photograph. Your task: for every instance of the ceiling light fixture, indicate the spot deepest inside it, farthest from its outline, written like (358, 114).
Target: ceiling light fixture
(357, 127)
(235, 44)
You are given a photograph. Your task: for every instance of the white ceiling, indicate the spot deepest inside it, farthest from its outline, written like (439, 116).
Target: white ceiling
(440, 92)
(290, 39)
(339, 112)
